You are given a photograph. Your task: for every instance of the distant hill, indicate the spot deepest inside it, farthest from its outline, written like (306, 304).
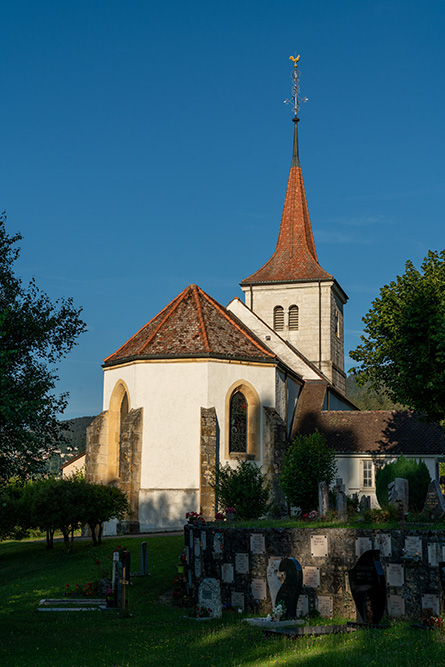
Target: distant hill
(75, 432)
(366, 398)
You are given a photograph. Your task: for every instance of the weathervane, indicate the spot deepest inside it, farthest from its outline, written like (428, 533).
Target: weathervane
(296, 98)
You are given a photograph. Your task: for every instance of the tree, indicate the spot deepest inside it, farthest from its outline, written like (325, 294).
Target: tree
(403, 346)
(35, 334)
(418, 480)
(245, 488)
(307, 461)
(103, 503)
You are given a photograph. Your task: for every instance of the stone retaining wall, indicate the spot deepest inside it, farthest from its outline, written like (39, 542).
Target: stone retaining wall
(239, 558)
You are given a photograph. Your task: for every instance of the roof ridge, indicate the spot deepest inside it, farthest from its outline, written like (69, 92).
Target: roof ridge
(196, 290)
(174, 306)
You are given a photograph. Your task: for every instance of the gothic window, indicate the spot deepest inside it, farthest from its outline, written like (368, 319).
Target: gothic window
(367, 474)
(278, 318)
(238, 423)
(124, 410)
(293, 318)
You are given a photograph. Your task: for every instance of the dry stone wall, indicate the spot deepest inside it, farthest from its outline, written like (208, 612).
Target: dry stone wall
(244, 561)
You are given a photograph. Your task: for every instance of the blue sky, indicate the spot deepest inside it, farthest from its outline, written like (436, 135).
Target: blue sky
(146, 146)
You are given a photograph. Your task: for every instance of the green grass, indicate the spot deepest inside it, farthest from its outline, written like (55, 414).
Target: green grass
(155, 634)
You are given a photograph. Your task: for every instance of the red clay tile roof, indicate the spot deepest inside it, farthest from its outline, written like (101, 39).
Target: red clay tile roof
(295, 257)
(377, 432)
(193, 325)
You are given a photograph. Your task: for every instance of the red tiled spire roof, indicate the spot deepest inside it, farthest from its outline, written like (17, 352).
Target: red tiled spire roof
(193, 325)
(295, 257)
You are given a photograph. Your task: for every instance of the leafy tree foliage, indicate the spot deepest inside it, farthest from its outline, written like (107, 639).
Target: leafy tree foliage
(245, 488)
(59, 505)
(418, 479)
(307, 461)
(35, 334)
(366, 397)
(403, 346)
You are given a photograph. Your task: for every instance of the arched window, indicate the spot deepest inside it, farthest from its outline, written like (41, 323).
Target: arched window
(278, 318)
(293, 318)
(238, 423)
(242, 422)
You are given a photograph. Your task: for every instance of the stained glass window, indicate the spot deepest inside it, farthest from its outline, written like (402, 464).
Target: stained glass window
(238, 423)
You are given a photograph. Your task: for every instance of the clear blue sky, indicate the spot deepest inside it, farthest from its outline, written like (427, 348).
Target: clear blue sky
(145, 146)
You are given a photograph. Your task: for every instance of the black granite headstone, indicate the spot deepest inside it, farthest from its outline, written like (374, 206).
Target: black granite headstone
(291, 587)
(368, 587)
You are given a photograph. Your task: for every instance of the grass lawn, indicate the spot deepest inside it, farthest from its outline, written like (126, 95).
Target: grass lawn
(154, 634)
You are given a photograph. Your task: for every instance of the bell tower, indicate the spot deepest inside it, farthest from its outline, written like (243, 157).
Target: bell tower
(291, 292)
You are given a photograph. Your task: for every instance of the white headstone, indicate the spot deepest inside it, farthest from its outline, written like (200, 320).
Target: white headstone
(396, 606)
(319, 546)
(382, 542)
(237, 600)
(325, 605)
(362, 544)
(242, 563)
(273, 581)
(395, 574)
(431, 601)
(257, 543)
(398, 494)
(209, 596)
(259, 590)
(311, 576)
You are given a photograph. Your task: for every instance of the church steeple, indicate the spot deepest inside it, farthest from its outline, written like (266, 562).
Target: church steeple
(292, 293)
(295, 258)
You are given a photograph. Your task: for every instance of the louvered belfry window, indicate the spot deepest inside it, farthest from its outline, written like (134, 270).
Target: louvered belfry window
(238, 423)
(293, 318)
(278, 318)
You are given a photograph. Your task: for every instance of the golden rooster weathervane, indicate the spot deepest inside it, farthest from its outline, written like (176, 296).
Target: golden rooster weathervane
(295, 99)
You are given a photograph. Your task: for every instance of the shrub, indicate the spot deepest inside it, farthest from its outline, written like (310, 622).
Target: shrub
(418, 479)
(245, 488)
(307, 461)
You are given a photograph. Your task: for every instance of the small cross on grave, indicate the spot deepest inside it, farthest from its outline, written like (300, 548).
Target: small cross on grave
(124, 583)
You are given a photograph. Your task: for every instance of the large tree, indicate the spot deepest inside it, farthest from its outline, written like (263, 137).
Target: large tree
(403, 346)
(35, 334)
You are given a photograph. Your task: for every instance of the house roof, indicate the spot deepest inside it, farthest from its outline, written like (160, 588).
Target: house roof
(295, 258)
(377, 432)
(193, 325)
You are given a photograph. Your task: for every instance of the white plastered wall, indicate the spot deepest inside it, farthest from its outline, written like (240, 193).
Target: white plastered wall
(171, 394)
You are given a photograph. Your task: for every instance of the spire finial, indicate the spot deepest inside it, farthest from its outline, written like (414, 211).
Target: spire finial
(296, 99)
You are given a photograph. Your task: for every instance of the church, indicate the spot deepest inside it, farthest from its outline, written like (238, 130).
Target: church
(240, 382)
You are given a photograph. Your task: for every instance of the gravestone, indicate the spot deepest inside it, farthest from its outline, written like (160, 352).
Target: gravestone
(319, 546)
(257, 543)
(311, 576)
(209, 596)
(342, 506)
(362, 544)
(291, 588)
(144, 560)
(435, 500)
(323, 498)
(259, 590)
(396, 606)
(398, 494)
(382, 542)
(227, 573)
(368, 588)
(242, 563)
(430, 602)
(302, 606)
(325, 605)
(273, 580)
(237, 600)
(364, 504)
(395, 575)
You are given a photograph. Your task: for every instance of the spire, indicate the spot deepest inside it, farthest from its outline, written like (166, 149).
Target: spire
(295, 257)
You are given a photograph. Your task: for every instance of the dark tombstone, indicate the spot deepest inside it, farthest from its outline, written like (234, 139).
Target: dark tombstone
(291, 587)
(368, 587)
(118, 586)
(144, 560)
